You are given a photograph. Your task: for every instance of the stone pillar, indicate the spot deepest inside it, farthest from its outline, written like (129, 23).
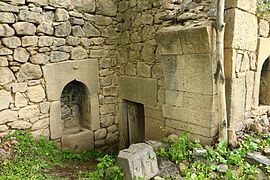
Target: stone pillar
(240, 58)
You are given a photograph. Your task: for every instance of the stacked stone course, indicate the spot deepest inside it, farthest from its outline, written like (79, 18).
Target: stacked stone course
(36, 33)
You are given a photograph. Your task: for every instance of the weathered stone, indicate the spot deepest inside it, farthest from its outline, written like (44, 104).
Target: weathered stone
(232, 138)
(5, 51)
(44, 107)
(6, 30)
(41, 124)
(106, 109)
(3, 61)
(87, 6)
(41, 132)
(59, 41)
(12, 42)
(61, 15)
(3, 128)
(21, 55)
(165, 167)
(57, 56)
(112, 129)
(24, 28)
(8, 7)
(78, 53)
(108, 8)
(29, 112)
(90, 30)
(139, 161)
(45, 41)
(30, 16)
(106, 121)
(129, 88)
(143, 70)
(40, 58)
(6, 75)
(36, 93)
(249, 6)
(256, 127)
(257, 158)
(6, 17)
(100, 134)
(263, 28)
(8, 116)
(78, 31)
(63, 29)
(18, 87)
(76, 21)
(59, 3)
(83, 140)
(5, 99)
(102, 20)
(28, 72)
(45, 28)
(29, 41)
(20, 100)
(73, 41)
(244, 36)
(20, 124)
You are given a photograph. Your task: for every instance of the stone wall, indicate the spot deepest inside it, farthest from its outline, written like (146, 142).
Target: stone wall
(45, 44)
(140, 62)
(245, 41)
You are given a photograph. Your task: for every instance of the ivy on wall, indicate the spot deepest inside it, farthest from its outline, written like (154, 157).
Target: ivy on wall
(263, 7)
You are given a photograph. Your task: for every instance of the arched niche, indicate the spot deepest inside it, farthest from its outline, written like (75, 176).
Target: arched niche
(75, 107)
(263, 54)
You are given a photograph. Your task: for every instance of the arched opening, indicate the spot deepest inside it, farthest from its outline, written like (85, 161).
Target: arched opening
(264, 96)
(75, 107)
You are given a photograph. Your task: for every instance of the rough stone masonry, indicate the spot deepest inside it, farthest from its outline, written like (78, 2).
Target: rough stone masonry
(111, 50)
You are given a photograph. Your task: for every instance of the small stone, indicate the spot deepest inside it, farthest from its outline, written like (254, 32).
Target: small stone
(7, 75)
(78, 53)
(21, 55)
(6, 30)
(29, 41)
(257, 158)
(6, 17)
(20, 124)
(63, 29)
(5, 99)
(20, 100)
(266, 151)
(29, 112)
(8, 116)
(40, 58)
(36, 93)
(12, 42)
(45, 28)
(5, 51)
(256, 127)
(100, 134)
(61, 15)
(45, 41)
(232, 138)
(222, 168)
(28, 72)
(57, 56)
(24, 28)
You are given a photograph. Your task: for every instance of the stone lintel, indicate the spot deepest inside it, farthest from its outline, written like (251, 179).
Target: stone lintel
(138, 90)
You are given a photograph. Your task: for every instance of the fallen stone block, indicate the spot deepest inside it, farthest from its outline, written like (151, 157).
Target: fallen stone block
(138, 161)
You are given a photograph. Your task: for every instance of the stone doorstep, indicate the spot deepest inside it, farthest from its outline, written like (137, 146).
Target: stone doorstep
(80, 141)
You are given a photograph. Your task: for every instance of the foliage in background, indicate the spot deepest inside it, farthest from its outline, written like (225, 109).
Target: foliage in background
(34, 159)
(263, 7)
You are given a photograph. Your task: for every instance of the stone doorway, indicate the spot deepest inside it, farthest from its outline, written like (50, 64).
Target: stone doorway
(264, 95)
(136, 122)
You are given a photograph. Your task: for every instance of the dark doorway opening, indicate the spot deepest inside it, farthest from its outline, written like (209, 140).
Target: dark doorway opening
(264, 96)
(136, 122)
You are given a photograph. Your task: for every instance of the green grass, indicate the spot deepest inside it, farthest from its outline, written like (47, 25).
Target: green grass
(180, 150)
(35, 159)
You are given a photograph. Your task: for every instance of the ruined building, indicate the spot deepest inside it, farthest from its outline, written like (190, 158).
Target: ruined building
(102, 73)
